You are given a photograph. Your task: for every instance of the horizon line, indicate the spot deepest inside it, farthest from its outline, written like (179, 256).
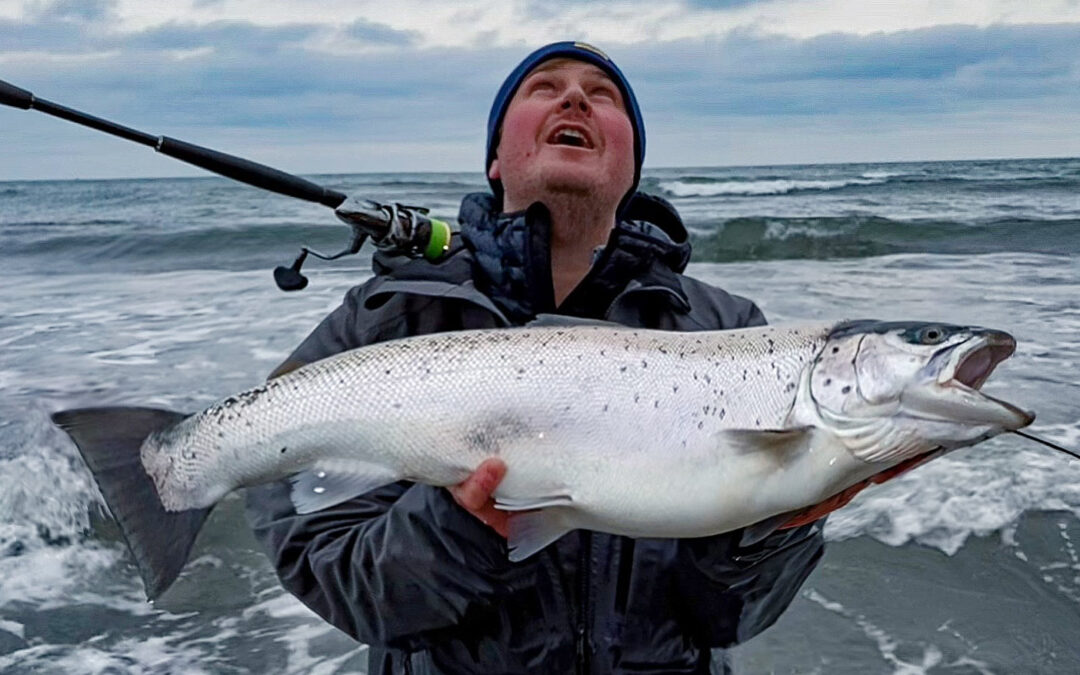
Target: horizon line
(209, 174)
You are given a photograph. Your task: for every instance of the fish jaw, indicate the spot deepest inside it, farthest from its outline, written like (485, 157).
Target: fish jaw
(951, 395)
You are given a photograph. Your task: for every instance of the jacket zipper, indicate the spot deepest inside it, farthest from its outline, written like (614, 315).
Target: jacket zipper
(584, 615)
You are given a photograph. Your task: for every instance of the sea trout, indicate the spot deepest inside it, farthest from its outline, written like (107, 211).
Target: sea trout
(634, 432)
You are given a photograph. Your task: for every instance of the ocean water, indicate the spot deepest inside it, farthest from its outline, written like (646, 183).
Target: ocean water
(159, 292)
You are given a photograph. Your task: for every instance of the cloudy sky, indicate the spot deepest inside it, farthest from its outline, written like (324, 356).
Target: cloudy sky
(319, 86)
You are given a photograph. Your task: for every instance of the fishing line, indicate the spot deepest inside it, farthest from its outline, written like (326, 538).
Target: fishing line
(1047, 443)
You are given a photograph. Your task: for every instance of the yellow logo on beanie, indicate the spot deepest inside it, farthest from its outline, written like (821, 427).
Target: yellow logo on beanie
(589, 48)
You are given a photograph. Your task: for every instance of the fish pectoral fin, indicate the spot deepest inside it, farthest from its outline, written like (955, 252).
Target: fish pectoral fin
(530, 532)
(759, 531)
(324, 486)
(778, 441)
(531, 503)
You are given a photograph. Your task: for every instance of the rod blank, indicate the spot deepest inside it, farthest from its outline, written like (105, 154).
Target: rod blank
(230, 166)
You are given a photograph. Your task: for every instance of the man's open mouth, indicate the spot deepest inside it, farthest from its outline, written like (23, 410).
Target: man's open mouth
(574, 137)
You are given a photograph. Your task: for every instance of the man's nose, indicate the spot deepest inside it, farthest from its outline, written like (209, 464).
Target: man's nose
(575, 98)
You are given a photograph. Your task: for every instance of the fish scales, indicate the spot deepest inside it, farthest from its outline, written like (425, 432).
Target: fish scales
(547, 399)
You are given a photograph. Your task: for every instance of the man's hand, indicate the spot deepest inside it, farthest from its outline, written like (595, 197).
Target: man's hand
(474, 494)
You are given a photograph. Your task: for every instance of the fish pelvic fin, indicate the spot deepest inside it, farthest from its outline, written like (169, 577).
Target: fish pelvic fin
(109, 440)
(531, 531)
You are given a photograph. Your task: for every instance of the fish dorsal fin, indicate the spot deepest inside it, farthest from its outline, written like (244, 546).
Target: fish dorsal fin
(561, 320)
(326, 484)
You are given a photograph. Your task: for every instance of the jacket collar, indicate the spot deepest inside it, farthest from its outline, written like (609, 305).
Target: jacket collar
(509, 269)
(512, 255)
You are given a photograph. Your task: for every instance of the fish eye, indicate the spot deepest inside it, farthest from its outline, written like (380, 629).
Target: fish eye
(931, 335)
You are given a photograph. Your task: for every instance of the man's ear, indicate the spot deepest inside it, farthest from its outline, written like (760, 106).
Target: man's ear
(493, 170)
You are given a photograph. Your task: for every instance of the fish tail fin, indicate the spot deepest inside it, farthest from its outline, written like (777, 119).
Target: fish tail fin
(109, 440)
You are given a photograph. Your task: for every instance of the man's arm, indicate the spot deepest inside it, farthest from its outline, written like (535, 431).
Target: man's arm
(731, 593)
(395, 566)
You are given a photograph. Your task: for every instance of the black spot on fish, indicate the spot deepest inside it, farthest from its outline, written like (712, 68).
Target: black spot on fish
(644, 363)
(835, 350)
(845, 389)
(828, 381)
(622, 369)
(282, 451)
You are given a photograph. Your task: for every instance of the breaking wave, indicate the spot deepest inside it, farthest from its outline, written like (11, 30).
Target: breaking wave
(866, 236)
(706, 187)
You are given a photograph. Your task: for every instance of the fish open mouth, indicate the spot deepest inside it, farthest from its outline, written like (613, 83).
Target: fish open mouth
(957, 397)
(976, 365)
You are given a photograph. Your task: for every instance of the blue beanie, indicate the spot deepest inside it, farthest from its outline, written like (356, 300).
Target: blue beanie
(578, 51)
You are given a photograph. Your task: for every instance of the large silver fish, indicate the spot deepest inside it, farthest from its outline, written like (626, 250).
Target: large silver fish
(634, 432)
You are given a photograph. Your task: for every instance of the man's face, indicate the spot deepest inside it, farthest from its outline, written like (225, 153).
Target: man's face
(566, 131)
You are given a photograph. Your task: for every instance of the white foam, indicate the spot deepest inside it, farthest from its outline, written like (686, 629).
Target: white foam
(147, 655)
(14, 627)
(943, 502)
(886, 644)
(758, 187)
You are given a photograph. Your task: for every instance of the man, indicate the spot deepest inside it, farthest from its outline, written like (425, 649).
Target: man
(421, 573)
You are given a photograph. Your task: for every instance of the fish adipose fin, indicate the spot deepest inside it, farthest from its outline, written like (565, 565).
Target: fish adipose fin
(109, 440)
(329, 485)
(531, 531)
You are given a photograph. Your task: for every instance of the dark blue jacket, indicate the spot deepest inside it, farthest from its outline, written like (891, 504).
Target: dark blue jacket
(427, 586)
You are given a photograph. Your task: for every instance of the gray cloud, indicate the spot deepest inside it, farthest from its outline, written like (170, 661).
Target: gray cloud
(266, 82)
(90, 11)
(930, 70)
(380, 34)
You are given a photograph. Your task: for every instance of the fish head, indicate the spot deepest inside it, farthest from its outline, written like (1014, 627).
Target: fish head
(893, 391)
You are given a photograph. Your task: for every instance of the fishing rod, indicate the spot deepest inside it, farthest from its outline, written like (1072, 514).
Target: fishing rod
(1049, 444)
(394, 228)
